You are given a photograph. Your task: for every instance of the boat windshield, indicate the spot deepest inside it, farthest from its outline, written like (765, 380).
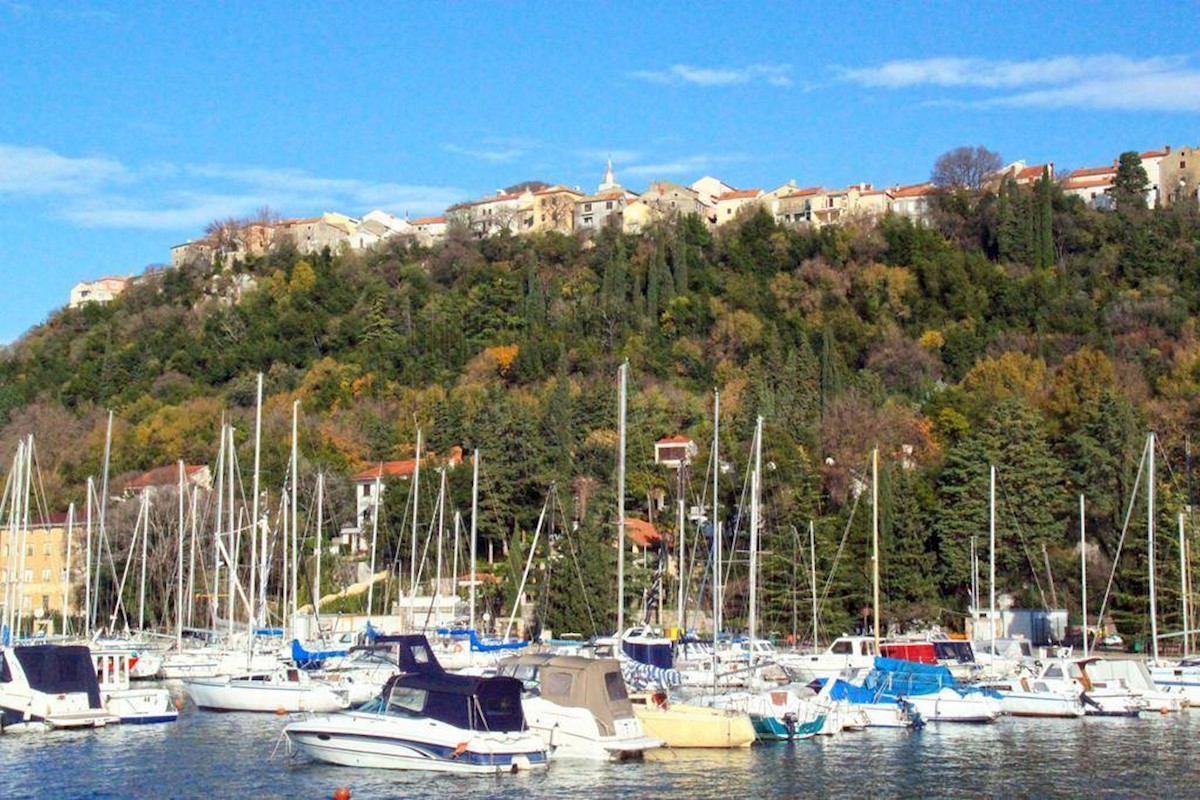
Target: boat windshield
(406, 701)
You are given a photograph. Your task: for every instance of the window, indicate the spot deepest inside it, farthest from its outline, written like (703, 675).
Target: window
(608, 205)
(29, 576)
(614, 684)
(29, 550)
(587, 220)
(842, 648)
(405, 700)
(557, 684)
(587, 206)
(46, 549)
(45, 574)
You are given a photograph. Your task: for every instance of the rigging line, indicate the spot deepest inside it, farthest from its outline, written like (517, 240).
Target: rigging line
(1137, 481)
(838, 555)
(1033, 570)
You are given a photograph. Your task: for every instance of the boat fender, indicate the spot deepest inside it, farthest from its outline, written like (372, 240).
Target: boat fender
(458, 648)
(660, 699)
(460, 749)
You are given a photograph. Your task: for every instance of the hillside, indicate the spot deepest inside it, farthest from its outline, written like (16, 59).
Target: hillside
(1021, 329)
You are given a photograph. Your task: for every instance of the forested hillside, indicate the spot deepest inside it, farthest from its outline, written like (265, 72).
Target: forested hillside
(1021, 329)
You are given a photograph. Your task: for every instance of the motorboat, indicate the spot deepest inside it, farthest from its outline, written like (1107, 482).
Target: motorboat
(48, 687)
(213, 662)
(131, 705)
(579, 706)
(931, 690)
(844, 653)
(777, 715)
(1134, 674)
(428, 719)
(1107, 698)
(1022, 697)
(880, 711)
(280, 690)
(686, 725)
(1181, 679)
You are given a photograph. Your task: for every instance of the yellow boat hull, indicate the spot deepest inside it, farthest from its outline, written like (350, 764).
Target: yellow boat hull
(694, 726)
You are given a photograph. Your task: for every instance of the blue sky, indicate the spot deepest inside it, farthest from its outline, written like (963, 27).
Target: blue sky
(126, 127)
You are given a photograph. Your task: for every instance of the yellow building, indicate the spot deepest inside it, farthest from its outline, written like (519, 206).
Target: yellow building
(34, 580)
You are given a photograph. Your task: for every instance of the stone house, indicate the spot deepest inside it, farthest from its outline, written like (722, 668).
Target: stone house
(102, 290)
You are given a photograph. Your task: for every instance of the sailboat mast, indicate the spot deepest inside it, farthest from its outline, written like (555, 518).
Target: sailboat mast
(295, 510)
(179, 567)
(416, 493)
(622, 373)
(87, 569)
(755, 496)
(1150, 544)
(1083, 573)
(875, 543)
(681, 547)
(191, 590)
(812, 566)
(1183, 587)
(254, 575)
(992, 555)
(317, 546)
(474, 530)
(716, 526)
(67, 565)
(103, 537)
(374, 543)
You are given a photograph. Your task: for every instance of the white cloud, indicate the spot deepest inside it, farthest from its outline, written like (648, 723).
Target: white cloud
(38, 171)
(1105, 82)
(773, 74)
(688, 165)
(104, 193)
(494, 156)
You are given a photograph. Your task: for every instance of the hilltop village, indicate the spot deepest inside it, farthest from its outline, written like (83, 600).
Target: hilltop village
(535, 207)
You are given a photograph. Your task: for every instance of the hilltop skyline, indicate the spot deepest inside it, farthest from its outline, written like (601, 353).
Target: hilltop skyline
(128, 129)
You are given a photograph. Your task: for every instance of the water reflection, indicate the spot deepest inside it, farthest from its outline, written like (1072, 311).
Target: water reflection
(230, 755)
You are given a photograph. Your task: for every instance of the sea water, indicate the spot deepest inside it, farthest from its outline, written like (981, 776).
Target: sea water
(234, 755)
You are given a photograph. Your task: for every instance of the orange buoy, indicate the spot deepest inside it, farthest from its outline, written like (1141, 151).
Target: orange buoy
(1163, 711)
(279, 712)
(341, 793)
(179, 704)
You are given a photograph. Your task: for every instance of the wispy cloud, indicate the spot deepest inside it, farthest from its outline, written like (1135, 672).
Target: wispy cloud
(38, 171)
(1107, 81)
(687, 165)
(104, 193)
(676, 74)
(494, 150)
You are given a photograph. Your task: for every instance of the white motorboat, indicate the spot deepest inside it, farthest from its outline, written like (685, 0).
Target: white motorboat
(427, 719)
(50, 686)
(1108, 698)
(1181, 679)
(1034, 698)
(1134, 674)
(213, 662)
(132, 706)
(281, 690)
(579, 706)
(844, 653)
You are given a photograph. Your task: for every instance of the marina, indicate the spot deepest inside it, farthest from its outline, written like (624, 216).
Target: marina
(239, 755)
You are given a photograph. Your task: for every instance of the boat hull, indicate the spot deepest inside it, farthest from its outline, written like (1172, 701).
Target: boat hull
(695, 727)
(365, 740)
(218, 694)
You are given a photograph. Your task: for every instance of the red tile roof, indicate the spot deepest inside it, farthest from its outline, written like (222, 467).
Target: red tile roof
(1084, 173)
(1153, 154)
(428, 221)
(1032, 173)
(162, 476)
(404, 468)
(740, 195)
(914, 190)
(560, 189)
(806, 192)
(674, 440)
(641, 533)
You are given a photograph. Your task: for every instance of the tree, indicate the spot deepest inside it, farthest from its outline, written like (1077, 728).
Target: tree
(965, 167)
(1129, 187)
